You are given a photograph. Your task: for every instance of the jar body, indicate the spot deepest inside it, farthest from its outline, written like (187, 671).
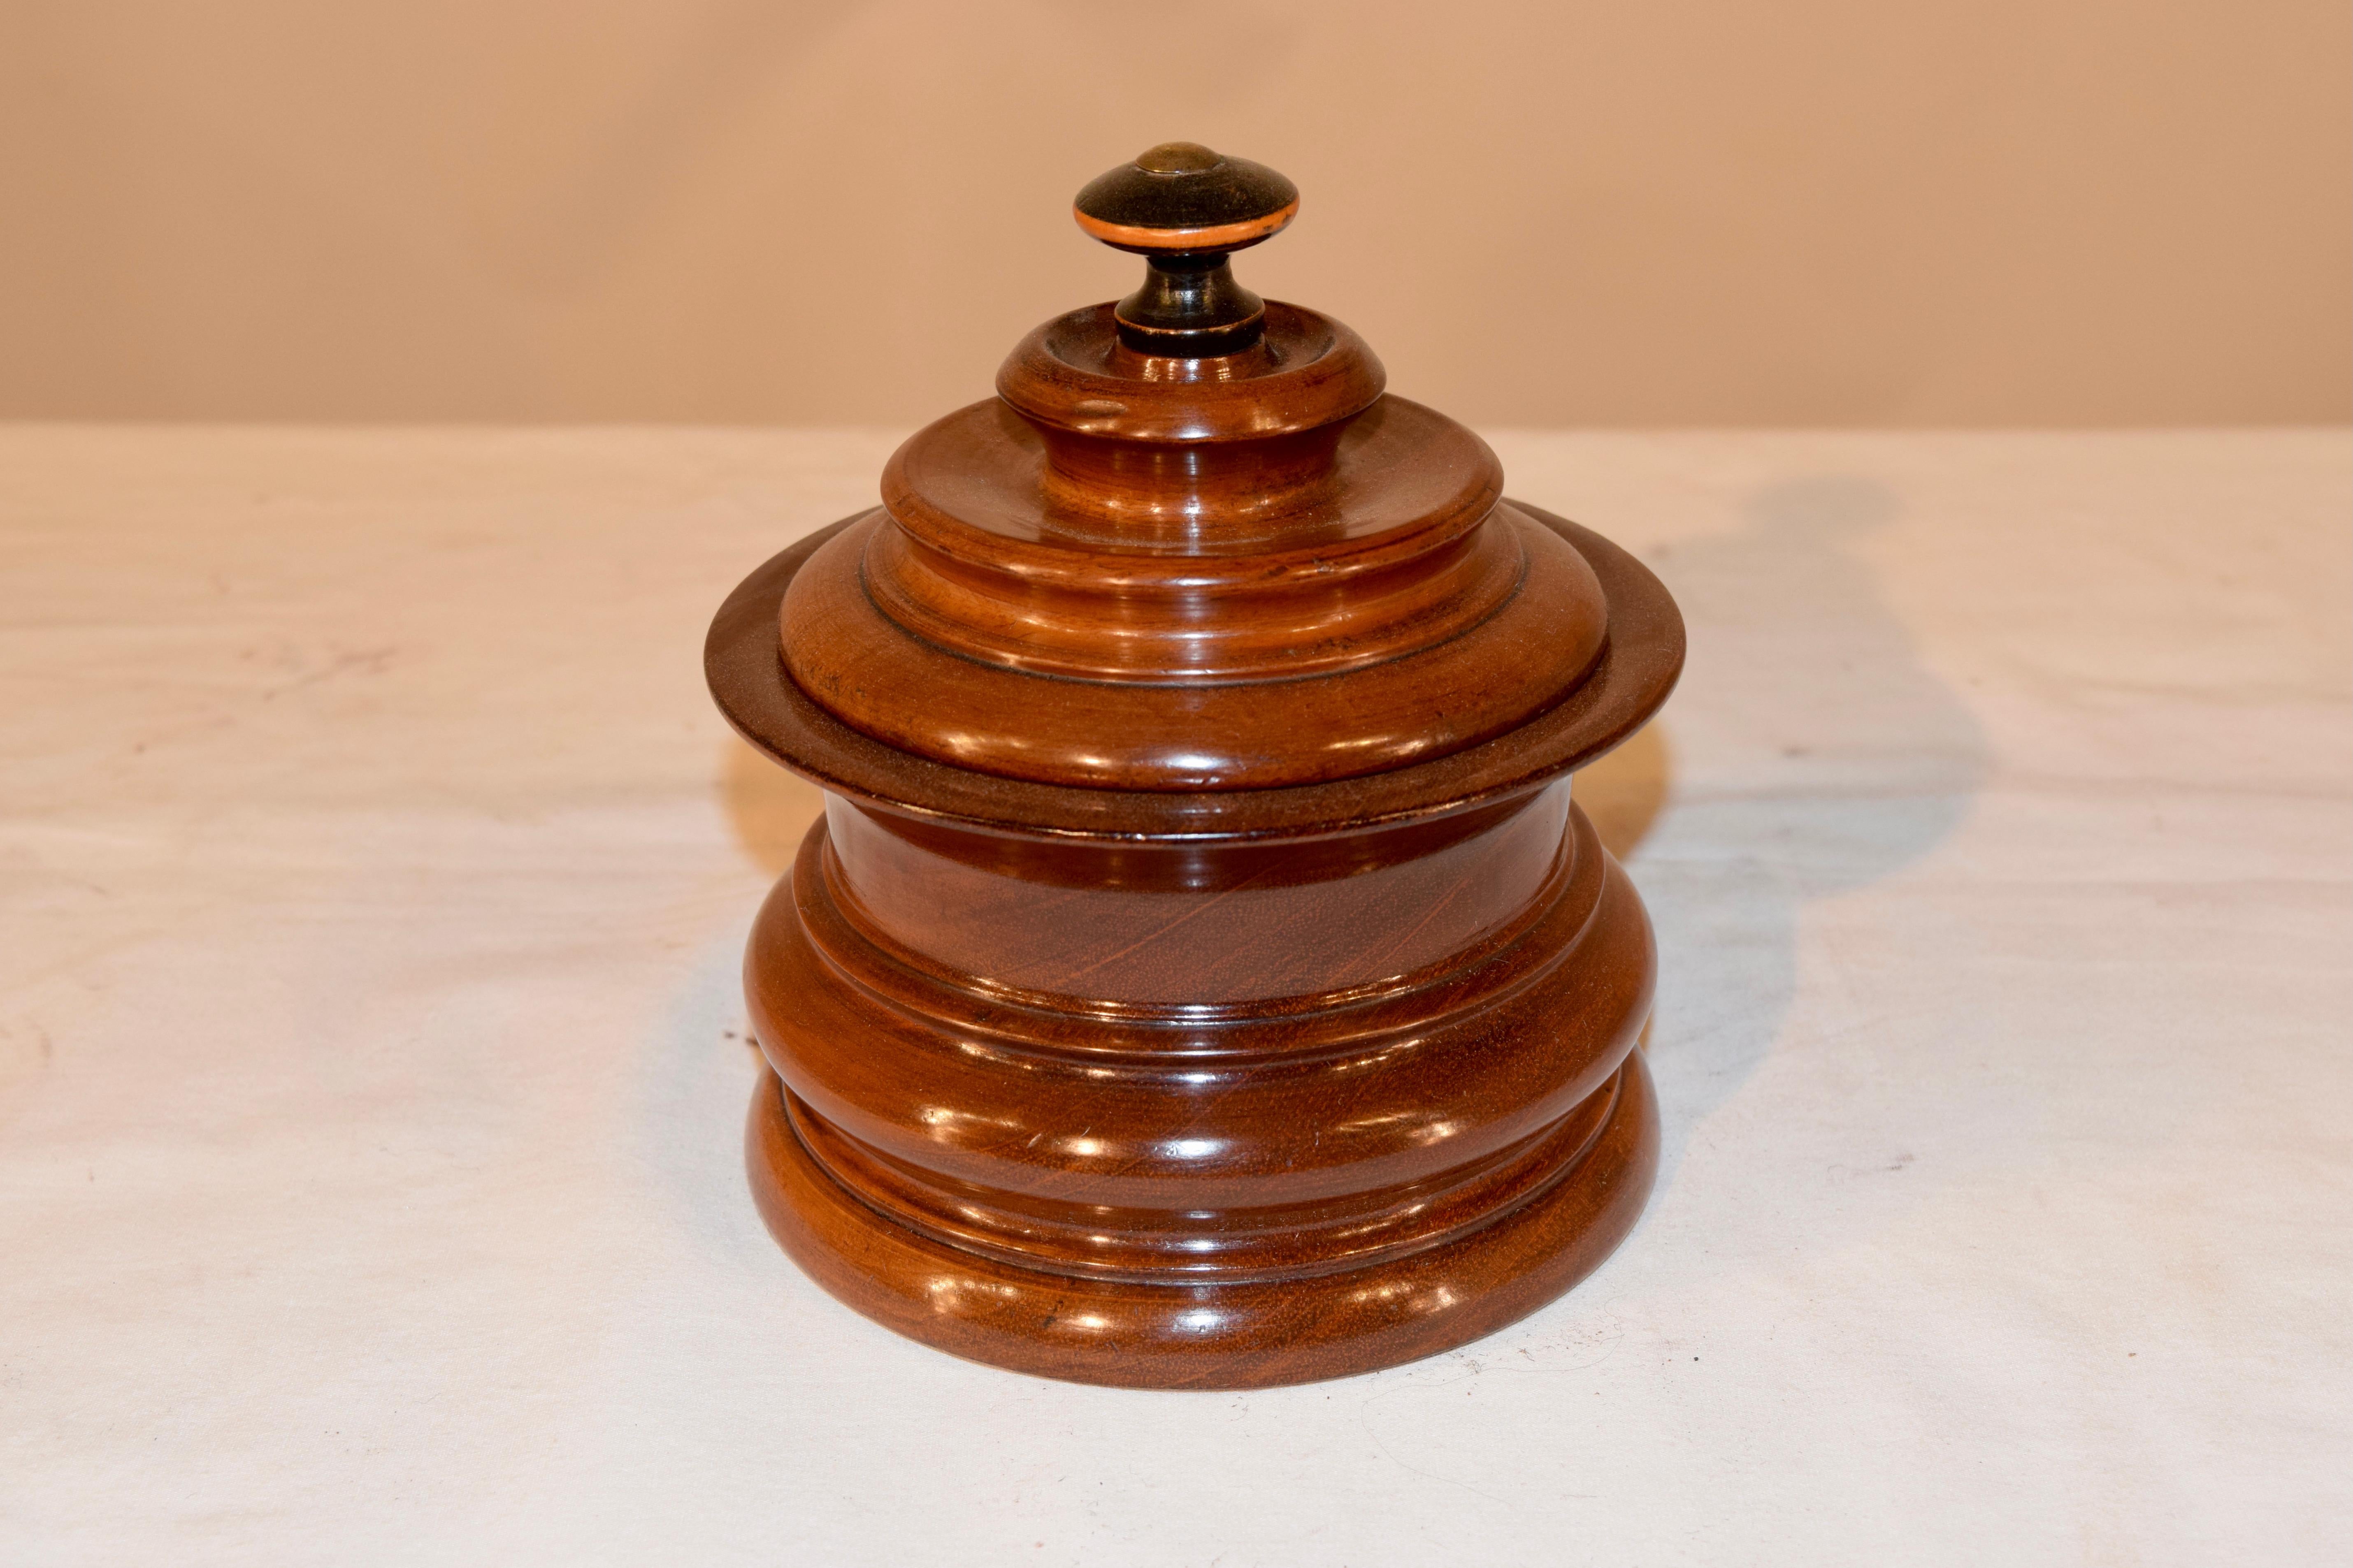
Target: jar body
(1160, 1112)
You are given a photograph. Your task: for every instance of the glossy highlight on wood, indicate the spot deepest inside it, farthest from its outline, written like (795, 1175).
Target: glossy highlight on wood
(1201, 976)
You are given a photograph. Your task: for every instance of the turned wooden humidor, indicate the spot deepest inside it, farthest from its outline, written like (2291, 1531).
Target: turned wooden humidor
(1201, 975)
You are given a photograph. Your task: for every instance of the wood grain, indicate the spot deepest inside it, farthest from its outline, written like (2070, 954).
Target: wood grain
(1201, 975)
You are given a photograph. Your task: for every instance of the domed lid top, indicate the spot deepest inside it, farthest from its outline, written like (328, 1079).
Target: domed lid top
(1192, 546)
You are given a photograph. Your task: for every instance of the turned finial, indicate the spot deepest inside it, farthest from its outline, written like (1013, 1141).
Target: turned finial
(1184, 209)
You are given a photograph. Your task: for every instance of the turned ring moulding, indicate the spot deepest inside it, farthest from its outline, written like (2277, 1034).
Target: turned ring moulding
(1201, 975)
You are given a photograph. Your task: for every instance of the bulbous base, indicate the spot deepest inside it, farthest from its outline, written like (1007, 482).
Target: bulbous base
(1356, 1103)
(1253, 1334)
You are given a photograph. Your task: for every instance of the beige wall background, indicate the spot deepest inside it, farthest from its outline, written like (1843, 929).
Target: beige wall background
(1676, 212)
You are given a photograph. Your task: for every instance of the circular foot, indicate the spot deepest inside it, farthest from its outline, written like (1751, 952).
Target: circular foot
(1256, 1334)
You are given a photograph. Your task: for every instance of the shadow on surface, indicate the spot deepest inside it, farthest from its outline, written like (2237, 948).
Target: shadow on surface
(1815, 754)
(768, 808)
(1622, 792)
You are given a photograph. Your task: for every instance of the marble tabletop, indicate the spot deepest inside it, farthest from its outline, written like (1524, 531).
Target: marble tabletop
(374, 874)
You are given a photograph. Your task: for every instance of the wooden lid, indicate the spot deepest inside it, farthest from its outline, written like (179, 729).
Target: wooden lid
(1190, 548)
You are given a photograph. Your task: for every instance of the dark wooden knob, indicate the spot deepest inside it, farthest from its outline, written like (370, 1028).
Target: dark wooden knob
(1185, 208)
(1180, 198)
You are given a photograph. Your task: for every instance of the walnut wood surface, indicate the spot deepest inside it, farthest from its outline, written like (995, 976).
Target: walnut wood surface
(1639, 665)
(1201, 976)
(1190, 583)
(1144, 1144)
(1196, 1110)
